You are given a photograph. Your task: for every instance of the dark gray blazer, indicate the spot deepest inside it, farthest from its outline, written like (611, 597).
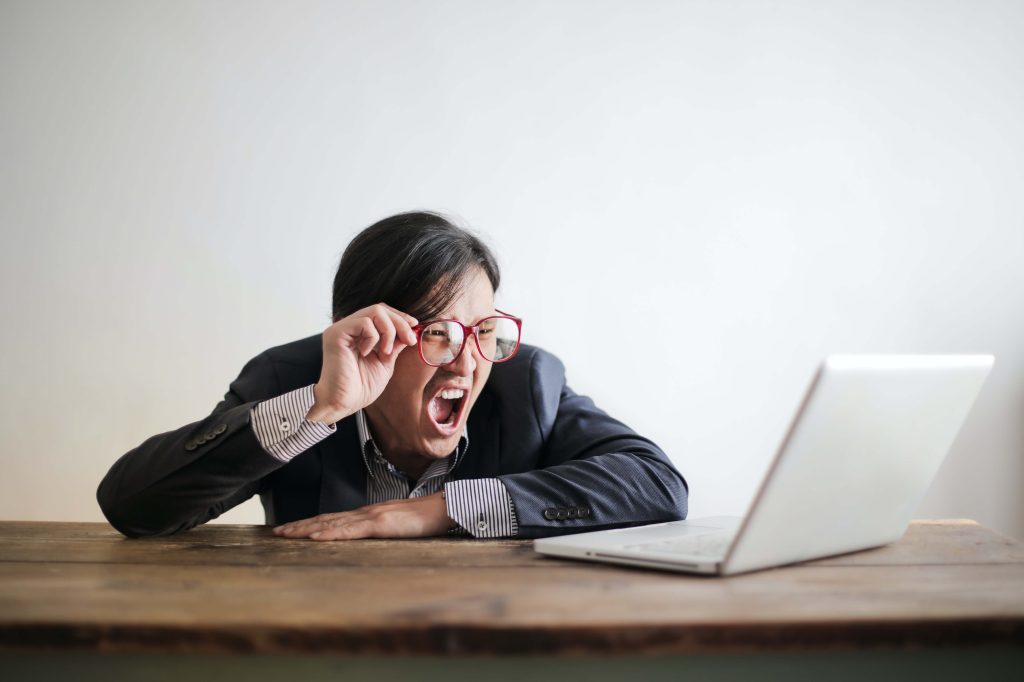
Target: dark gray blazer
(567, 465)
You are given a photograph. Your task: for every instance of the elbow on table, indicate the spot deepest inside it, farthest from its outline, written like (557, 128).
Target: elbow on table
(677, 496)
(128, 521)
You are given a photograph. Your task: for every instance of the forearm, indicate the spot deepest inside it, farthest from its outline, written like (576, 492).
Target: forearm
(600, 492)
(182, 478)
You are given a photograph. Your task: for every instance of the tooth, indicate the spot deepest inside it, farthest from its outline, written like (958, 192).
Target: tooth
(452, 394)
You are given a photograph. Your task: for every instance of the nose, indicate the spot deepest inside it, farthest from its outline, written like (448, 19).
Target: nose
(465, 364)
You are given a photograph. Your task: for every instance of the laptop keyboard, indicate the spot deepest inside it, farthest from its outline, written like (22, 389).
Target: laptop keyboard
(705, 544)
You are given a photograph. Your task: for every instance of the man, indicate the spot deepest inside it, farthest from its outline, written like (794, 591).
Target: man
(391, 424)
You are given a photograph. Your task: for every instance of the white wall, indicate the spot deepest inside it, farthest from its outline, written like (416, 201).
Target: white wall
(745, 186)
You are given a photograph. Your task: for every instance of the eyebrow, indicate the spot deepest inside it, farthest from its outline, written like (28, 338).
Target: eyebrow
(475, 319)
(491, 313)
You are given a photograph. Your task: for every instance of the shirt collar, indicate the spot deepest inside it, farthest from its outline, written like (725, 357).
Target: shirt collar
(373, 452)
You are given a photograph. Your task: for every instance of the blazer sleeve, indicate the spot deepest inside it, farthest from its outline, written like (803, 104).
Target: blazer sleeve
(180, 479)
(594, 472)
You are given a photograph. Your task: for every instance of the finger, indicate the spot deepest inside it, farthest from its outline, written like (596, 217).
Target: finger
(349, 530)
(298, 530)
(303, 527)
(306, 531)
(408, 319)
(386, 328)
(368, 337)
(369, 311)
(403, 329)
(389, 360)
(402, 322)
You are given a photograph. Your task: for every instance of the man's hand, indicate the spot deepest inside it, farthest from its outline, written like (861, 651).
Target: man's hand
(358, 360)
(411, 518)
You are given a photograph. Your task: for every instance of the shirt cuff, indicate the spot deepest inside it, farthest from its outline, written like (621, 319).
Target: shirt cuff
(482, 506)
(281, 426)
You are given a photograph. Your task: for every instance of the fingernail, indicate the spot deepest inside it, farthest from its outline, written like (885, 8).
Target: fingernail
(315, 535)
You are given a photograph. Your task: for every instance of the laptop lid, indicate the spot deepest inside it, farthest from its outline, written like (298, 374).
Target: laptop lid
(859, 456)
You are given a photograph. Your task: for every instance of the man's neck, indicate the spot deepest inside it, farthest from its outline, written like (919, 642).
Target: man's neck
(409, 462)
(412, 466)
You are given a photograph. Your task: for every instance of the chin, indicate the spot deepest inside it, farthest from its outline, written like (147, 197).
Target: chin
(438, 448)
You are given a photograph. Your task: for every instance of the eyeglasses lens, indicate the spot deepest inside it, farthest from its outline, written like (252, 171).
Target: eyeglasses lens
(499, 337)
(440, 342)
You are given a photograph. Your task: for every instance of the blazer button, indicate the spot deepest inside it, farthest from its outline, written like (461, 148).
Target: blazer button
(563, 514)
(221, 428)
(549, 514)
(191, 445)
(584, 512)
(573, 511)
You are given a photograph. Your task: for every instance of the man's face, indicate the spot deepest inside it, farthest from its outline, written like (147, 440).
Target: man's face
(411, 421)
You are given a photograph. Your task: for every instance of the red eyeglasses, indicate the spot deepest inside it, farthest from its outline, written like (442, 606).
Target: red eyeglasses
(441, 342)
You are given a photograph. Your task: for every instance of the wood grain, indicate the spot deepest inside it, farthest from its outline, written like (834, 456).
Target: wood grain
(219, 589)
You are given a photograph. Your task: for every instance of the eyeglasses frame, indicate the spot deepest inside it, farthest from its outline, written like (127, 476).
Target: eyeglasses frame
(468, 331)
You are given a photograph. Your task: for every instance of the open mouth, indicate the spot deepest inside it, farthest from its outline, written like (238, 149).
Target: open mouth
(445, 409)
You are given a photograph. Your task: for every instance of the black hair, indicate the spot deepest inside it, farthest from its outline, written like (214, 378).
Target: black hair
(416, 262)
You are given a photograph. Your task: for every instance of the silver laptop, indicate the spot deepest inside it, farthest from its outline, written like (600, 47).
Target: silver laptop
(856, 462)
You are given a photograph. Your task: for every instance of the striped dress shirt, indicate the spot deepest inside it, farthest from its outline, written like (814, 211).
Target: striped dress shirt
(481, 507)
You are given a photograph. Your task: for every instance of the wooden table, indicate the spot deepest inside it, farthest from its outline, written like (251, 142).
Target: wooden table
(220, 589)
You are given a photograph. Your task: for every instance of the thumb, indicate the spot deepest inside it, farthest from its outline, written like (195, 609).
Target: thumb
(389, 359)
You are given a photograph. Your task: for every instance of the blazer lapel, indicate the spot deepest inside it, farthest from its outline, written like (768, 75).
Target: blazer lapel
(343, 483)
(482, 458)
